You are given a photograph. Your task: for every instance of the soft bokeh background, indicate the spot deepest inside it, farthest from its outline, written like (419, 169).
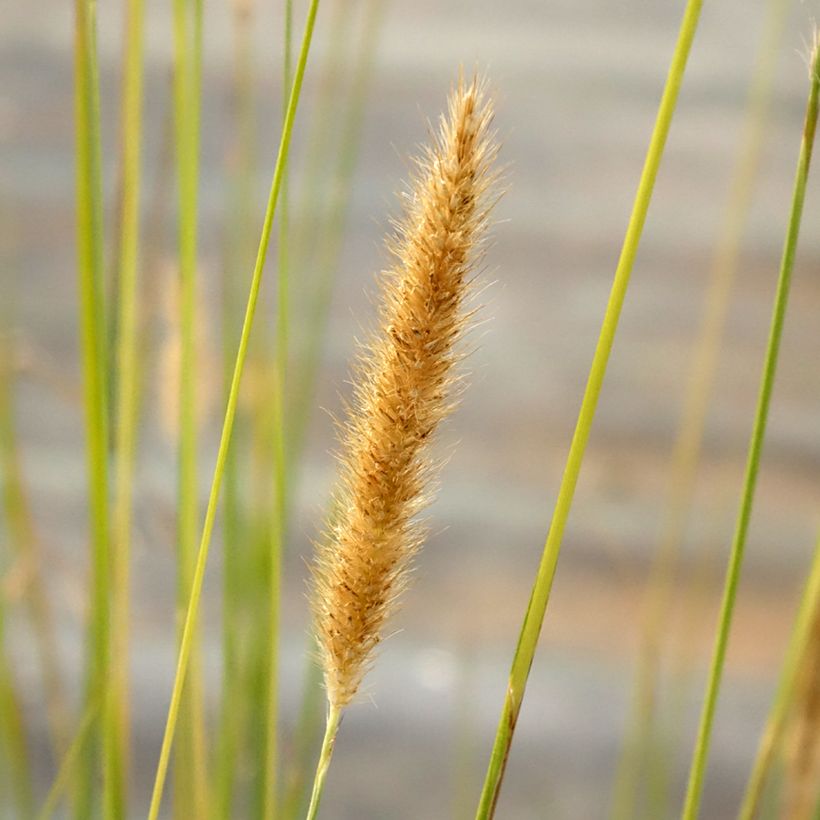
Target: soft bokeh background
(577, 85)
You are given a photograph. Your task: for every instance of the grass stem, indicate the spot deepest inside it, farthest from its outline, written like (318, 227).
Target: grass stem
(689, 440)
(334, 717)
(700, 754)
(117, 717)
(280, 469)
(93, 344)
(239, 249)
(531, 629)
(189, 771)
(230, 412)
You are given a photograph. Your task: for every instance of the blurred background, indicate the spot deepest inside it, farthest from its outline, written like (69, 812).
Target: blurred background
(577, 83)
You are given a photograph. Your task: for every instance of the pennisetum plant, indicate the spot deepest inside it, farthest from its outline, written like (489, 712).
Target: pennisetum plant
(404, 386)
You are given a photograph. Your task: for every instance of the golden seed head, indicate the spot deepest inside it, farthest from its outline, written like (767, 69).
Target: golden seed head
(404, 386)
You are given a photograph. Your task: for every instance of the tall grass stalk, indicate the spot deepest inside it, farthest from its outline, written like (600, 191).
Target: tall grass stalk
(189, 770)
(404, 388)
(701, 751)
(230, 412)
(773, 733)
(322, 258)
(531, 629)
(280, 465)
(689, 440)
(239, 249)
(93, 340)
(117, 718)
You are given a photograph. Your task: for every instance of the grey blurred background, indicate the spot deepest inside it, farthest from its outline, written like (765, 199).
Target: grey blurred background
(577, 85)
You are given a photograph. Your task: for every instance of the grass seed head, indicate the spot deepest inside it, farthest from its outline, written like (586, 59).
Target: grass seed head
(404, 385)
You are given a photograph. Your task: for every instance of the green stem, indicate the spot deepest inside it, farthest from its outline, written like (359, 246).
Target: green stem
(277, 532)
(531, 629)
(772, 736)
(238, 254)
(93, 335)
(230, 412)
(117, 718)
(701, 752)
(334, 717)
(689, 439)
(189, 772)
(305, 742)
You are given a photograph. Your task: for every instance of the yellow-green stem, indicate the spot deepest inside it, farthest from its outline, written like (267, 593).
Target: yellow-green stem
(772, 737)
(117, 711)
(230, 412)
(93, 341)
(189, 772)
(700, 754)
(688, 443)
(277, 532)
(238, 254)
(334, 717)
(531, 629)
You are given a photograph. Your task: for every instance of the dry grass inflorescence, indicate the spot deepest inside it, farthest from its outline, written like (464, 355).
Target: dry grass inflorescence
(405, 386)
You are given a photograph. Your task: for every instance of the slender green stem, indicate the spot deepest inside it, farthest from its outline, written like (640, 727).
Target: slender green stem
(305, 742)
(68, 763)
(689, 439)
(333, 204)
(239, 253)
(531, 629)
(230, 412)
(334, 718)
(701, 752)
(772, 736)
(117, 718)
(93, 335)
(277, 532)
(189, 773)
